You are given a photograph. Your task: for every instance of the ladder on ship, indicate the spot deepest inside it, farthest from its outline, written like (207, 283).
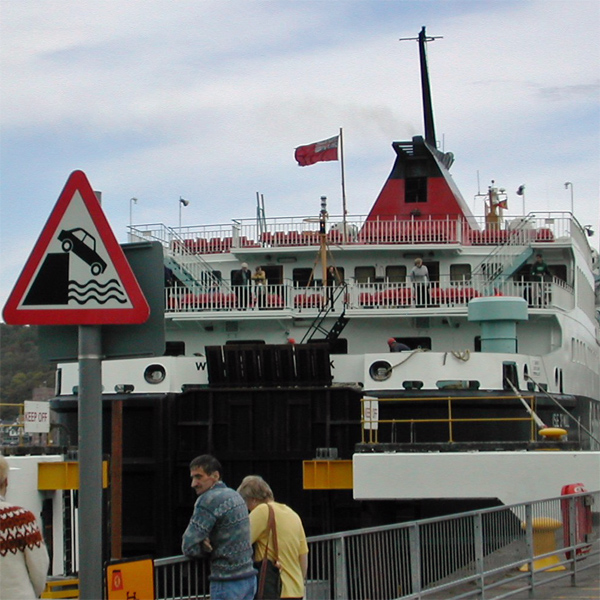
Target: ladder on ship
(508, 257)
(317, 326)
(190, 268)
(335, 289)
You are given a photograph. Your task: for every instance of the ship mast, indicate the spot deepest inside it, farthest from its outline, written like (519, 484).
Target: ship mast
(425, 87)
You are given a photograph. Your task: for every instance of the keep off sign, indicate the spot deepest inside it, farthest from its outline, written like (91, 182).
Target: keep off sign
(37, 417)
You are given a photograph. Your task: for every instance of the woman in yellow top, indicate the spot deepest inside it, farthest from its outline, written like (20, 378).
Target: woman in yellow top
(291, 539)
(260, 279)
(259, 276)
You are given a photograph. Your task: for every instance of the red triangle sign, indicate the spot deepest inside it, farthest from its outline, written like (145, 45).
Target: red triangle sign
(77, 273)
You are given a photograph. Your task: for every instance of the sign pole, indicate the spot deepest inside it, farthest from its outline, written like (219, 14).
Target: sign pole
(90, 462)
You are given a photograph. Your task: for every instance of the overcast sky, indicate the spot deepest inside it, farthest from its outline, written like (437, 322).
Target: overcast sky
(207, 100)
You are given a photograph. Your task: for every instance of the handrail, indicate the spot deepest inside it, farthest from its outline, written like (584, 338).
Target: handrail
(370, 419)
(374, 297)
(503, 548)
(303, 231)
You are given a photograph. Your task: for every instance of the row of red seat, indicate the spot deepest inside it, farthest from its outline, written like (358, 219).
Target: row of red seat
(372, 233)
(492, 237)
(408, 232)
(213, 245)
(457, 295)
(309, 301)
(404, 296)
(393, 297)
(216, 300)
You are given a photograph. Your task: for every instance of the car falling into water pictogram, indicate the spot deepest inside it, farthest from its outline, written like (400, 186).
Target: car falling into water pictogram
(83, 244)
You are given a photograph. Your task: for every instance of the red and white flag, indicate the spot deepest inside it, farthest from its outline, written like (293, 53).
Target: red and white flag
(317, 152)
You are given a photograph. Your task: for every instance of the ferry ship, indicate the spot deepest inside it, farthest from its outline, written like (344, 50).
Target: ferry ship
(498, 366)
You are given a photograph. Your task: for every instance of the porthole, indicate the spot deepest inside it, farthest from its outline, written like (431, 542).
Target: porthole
(155, 374)
(380, 370)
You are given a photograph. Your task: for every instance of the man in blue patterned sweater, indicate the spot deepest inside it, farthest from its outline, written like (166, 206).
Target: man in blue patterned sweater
(220, 529)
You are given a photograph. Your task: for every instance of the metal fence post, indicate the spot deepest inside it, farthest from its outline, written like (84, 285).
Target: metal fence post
(573, 538)
(414, 541)
(529, 544)
(478, 542)
(340, 575)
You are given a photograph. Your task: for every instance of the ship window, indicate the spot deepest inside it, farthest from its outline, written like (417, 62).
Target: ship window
(415, 343)
(395, 273)
(477, 343)
(210, 279)
(274, 274)
(339, 273)
(415, 190)
(509, 374)
(380, 370)
(155, 374)
(301, 277)
(174, 348)
(364, 274)
(530, 384)
(559, 271)
(460, 272)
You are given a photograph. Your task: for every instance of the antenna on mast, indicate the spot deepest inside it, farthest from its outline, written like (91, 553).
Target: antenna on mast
(425, 87)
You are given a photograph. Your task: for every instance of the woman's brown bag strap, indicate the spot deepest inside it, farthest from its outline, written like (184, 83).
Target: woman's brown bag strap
(273, 527)
(263, 569)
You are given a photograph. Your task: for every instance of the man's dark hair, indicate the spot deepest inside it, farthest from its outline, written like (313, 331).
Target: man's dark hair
(206, 462)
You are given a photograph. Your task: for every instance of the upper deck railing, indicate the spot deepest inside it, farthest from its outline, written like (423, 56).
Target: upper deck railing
(286, 232)
(376, 297)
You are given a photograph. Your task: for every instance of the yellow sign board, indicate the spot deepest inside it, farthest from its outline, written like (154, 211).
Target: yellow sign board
(130, 580)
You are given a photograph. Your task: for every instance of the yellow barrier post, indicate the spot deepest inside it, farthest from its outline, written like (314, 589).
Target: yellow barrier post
(544, 541)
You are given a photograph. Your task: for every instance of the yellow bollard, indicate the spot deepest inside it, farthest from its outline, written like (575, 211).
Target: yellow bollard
(552, 433)
(543, 542)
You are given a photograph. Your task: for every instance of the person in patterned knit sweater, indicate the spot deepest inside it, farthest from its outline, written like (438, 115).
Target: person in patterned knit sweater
(23, 555)
(220, 529)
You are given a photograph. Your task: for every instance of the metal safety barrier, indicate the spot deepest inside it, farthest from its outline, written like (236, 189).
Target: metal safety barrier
(492, 553)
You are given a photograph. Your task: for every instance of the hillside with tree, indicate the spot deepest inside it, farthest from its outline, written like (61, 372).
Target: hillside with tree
(21, 368)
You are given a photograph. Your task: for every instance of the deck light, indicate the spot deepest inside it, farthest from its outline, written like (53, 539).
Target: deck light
(182, 202)
(568, 185)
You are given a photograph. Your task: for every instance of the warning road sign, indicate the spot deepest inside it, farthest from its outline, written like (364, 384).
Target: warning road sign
(77, 273)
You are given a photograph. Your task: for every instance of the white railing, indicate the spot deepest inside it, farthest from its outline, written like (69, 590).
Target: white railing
(496, 552)
(304, 231)
(445, 293)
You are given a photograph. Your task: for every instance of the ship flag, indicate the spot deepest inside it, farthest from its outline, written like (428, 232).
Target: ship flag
(317, 152)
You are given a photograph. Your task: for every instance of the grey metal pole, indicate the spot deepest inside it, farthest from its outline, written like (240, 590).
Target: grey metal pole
(90, 462)
(344, 209)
